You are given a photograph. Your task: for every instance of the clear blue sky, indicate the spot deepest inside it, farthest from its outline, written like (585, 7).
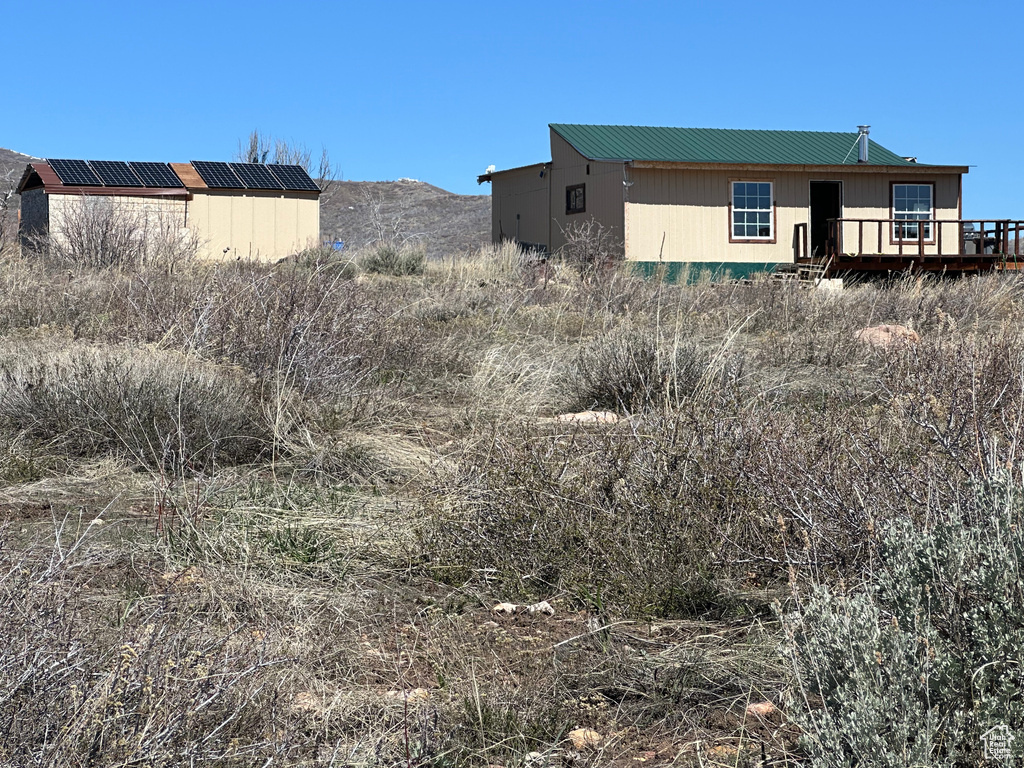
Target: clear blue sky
(439, 90)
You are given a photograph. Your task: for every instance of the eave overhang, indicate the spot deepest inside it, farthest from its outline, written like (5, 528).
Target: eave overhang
(909, 170)
(488, 176)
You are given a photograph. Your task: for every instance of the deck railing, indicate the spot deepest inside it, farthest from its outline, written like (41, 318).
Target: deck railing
(920, 237)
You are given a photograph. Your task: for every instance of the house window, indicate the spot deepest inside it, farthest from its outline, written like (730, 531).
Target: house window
(576, 198)
(912, 202)
(752, 211)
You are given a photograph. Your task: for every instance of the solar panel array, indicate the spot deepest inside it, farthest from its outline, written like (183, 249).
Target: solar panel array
(156, 174)
(217, 175)
(256, 176)
(75, 172)
(294, 177)
(114, 173)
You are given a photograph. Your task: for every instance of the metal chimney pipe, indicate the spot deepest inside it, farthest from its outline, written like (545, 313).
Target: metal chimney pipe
(862, 143)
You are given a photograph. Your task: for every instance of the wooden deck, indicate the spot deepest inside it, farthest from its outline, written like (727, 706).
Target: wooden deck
(929, 245)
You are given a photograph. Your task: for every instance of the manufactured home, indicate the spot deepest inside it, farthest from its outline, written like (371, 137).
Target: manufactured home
(234, 210)
(741, 201)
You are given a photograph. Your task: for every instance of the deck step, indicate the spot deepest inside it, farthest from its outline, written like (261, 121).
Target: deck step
(804, 273)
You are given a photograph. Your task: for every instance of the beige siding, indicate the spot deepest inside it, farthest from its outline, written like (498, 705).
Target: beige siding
(140, 212)
(153, 218)
(683, 215)
(870, 198)
(253, 225)
(519, 205)
(604, 191)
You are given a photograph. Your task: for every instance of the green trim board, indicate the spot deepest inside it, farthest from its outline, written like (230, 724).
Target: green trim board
(690, 272)
(722, 145)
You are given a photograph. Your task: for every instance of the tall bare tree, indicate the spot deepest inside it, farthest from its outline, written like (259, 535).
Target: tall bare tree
(264, 148)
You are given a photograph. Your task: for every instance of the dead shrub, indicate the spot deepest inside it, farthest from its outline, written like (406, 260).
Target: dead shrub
(395, 260)
(590, 248)
(964, 397)
(158, 410)
(102, 232)
(632, 370)
(159, 686)
(641, 520)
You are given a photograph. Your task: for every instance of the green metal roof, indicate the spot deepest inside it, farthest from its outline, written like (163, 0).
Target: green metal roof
(718, 145)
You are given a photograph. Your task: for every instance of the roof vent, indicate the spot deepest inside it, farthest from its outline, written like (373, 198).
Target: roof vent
(862, 143)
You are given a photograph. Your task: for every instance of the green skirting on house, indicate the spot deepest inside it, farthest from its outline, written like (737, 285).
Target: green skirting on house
(701, 271)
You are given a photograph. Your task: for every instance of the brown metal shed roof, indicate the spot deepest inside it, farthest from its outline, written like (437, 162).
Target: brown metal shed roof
(189, 176)
(40, 174)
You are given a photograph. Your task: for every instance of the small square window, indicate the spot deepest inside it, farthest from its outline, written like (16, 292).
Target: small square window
(576, 199)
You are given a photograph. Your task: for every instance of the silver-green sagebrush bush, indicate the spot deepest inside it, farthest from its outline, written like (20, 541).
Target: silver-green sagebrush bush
(918, 666)
(399, 261)
(155, 409)
(633, 370)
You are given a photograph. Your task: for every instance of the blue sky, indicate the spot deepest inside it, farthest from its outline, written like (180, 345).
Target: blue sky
(440, 90)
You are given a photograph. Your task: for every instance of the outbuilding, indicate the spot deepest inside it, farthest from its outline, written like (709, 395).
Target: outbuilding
(740, 201)
(233, 210)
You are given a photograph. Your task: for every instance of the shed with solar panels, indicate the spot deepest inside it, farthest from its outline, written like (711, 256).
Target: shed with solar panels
(235, 210)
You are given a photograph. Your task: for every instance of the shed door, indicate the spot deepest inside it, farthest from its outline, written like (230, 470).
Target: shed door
(826, 203)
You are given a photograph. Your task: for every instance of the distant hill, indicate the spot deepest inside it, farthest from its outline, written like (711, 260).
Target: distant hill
(417, 212)
(11, 160)
(12, 165)
(443, 222)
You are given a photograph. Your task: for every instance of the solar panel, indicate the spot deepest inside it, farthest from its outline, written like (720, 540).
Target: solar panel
(256, 176)
(294, 177)
(75, 172)
(217, 175)
(156, 174)
(115, 173)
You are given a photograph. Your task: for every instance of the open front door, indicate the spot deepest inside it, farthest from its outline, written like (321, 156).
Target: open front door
(826, 203)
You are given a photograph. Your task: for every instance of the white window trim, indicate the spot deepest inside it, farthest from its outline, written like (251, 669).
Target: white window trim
(733, 210)
(929, 235)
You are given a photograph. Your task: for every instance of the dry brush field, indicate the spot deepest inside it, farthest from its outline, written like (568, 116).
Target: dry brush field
(260, 515)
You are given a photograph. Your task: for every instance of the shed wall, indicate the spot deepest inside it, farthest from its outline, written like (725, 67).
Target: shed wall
(519, 205)
(683, 215)
(266, 226)
(152, 218)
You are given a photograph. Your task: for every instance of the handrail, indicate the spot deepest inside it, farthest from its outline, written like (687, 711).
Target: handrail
(1004, 236)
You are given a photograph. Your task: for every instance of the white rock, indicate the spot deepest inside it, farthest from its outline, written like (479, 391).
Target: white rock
(584, 738)
(542, 607)
(589, 417)
(760, 709)
(887, 336)
(506, 608)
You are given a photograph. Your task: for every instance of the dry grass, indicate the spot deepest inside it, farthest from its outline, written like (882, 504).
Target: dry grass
(315, 485)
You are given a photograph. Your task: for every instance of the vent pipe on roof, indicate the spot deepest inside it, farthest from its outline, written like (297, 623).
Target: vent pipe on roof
(862, 143)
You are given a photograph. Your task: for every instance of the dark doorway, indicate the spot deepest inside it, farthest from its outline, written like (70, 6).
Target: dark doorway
(826, 203)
